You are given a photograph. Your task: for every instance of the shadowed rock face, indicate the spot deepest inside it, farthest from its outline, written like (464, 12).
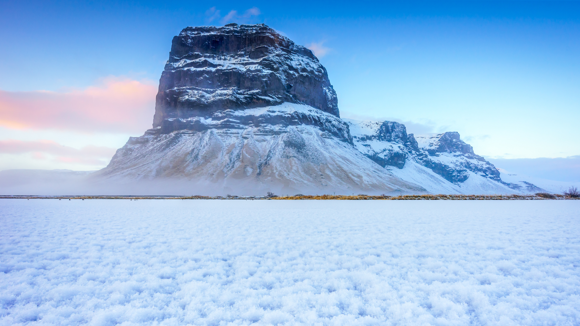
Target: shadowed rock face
(450, 142)
(386, 132)
(211, 69)
(388, 144)
(450, 145)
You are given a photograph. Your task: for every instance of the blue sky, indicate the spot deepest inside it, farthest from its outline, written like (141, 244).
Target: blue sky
(506, 75)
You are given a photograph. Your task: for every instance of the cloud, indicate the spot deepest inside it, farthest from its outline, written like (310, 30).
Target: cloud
(51, 150)
(116, 105)
(212, 14)
(229, 17)
(253, 12)
(318, 49)
(233, 15)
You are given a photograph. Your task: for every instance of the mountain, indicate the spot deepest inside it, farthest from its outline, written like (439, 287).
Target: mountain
(441, 163)
(242, 107)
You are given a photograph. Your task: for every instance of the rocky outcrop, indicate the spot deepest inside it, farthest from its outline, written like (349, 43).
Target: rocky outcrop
(443, 160)
(388, 144)
(262, 118)
(392, 134)
(453, 159)
(447, 142)
(236, 67)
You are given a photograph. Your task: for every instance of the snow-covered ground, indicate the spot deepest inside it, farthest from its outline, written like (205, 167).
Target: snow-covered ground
(166, 262)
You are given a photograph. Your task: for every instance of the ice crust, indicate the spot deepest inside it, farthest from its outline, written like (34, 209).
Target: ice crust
(289, 263)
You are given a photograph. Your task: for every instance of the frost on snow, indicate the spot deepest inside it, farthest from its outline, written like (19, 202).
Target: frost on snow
(289, 263)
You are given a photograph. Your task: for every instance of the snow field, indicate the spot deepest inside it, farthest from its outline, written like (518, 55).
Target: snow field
(166, 262)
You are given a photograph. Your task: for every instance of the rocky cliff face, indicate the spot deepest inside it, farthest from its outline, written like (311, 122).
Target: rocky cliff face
(212, 69)
(386, 143)
(450, 157)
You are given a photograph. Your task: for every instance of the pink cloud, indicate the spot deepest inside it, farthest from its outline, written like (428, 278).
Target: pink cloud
(115, 105)
(48, 149)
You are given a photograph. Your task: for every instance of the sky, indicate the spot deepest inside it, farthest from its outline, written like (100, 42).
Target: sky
(78, 78)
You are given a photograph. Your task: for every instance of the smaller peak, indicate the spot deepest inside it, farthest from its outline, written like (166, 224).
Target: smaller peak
(451, 135)
(381, 130)
(447, 142)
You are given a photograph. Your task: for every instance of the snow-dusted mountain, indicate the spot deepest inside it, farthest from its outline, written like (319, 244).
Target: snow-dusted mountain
(534, 184)
(441, 163)
(243, 107)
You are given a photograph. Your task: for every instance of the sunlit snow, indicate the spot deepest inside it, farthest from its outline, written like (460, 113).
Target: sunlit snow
(174, 262)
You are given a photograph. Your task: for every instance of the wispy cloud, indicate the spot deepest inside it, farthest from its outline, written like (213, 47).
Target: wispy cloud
(213, 14)
(51, 150)
(319, 49)
(230, 17)
(233, 16)
(116, 105)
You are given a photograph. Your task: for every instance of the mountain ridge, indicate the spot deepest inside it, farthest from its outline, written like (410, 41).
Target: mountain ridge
(242, 104)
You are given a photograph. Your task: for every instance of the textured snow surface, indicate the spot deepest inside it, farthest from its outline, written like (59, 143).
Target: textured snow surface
(363, 128)
(289, 263)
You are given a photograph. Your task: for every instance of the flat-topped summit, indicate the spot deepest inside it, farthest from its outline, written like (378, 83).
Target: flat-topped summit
(238, 67)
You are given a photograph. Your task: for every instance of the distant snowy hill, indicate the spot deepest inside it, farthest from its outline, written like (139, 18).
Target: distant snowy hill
(530, 182)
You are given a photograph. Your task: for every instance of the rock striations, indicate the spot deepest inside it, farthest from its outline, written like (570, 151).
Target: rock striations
(213, 69)
(243, 108)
